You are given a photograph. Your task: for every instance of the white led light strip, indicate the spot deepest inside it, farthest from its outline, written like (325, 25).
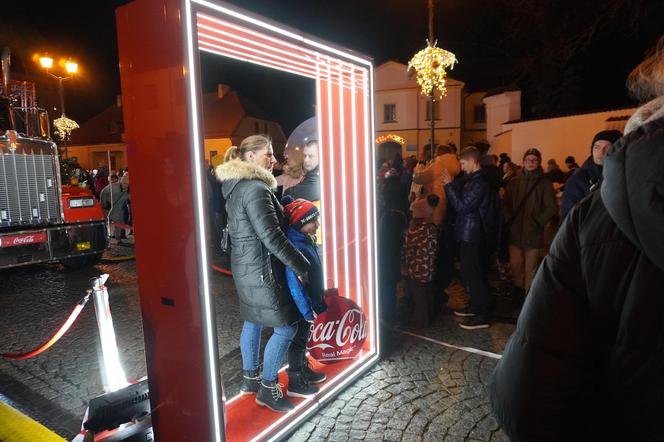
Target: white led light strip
(343, 75)
(330, 390)
(243, 54)
(209, 333)
(371, 232)
(356, 209)
(321, 170)
(281, 31)
(237, 55)
(248, 47)
(344, 191)
(330, 147)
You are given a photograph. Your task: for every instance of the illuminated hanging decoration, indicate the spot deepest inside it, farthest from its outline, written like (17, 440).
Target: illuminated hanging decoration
(64, 126)
(390, 137)
(431, 64)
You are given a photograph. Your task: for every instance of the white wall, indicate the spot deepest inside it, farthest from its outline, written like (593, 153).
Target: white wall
(394, 85)
(406, 109)
(559, 137)
(500, 109)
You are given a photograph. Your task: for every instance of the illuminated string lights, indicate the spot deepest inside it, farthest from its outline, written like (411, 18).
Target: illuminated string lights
(431, 64)
(64, 126)
(390, 137)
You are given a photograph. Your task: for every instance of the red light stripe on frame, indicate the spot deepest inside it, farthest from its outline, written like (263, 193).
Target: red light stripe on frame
(345, 124)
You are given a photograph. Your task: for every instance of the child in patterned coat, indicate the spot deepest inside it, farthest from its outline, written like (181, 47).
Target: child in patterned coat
(418, 258)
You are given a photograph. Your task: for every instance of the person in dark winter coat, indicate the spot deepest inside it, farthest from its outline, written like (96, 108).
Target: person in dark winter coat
(589, 176)
(303, 221)
(571, 164)
(529, 205)
(471, 205)
(309, 187)
(260, 249)
(587, 358)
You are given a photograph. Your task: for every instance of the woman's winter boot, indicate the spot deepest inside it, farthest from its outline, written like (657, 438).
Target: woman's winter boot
(251, 381)
(271, 396)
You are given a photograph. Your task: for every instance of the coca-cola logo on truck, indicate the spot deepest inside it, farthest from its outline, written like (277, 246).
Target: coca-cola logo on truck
(21, 240)
(340, 332)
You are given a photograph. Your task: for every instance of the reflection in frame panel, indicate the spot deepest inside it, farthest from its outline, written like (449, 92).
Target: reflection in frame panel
(344, 115)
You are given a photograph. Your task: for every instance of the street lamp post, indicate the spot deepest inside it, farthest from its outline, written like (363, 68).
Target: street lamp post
(430, 64)
(432, 97)
(71, 68)
(63, 125)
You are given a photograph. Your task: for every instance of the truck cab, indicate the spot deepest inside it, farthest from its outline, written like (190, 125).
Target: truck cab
(40, 219)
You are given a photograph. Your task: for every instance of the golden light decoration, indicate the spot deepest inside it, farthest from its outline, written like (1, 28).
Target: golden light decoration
(390, 137)
(431, 64)
(64, 126)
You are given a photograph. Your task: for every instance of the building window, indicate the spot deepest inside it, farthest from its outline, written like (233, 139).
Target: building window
(390, 113)
(480, 113)
(435, 111)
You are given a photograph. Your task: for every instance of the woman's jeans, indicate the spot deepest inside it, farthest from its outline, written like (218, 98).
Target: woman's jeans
(275, 350)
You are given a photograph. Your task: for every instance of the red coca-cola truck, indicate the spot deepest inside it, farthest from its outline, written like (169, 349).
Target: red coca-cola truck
(40, 219)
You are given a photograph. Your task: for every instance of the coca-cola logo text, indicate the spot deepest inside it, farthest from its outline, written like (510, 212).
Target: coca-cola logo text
(340, 332)
(20, 240)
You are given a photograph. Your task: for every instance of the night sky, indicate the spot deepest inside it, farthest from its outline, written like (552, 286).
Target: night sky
(567, 55)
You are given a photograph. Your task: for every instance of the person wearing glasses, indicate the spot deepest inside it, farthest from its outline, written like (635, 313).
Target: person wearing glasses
(529, 204)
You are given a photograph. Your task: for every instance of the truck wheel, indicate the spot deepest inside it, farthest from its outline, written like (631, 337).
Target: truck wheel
(81, 262)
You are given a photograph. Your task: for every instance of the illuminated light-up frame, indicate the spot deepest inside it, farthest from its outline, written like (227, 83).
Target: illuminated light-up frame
(159, 42)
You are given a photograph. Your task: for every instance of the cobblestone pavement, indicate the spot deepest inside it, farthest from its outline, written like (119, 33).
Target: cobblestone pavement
(419, 391)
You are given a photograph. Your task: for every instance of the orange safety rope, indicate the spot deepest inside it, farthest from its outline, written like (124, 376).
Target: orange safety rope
(58, 334)
(222, 270)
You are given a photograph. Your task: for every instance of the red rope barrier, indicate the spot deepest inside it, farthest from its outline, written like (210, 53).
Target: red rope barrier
(122, 226)
(55, 338)
(222, 270)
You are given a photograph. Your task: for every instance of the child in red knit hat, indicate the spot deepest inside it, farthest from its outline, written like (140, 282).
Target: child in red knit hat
(303, 221)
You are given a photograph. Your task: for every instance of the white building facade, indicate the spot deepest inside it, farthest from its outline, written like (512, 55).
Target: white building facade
(403, 113)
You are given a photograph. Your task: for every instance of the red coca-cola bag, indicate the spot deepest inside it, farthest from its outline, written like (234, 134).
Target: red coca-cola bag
(339, 333)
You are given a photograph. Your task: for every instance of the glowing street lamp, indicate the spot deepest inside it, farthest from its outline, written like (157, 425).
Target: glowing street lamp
(63, 125)
(71, 67)
(46, 62)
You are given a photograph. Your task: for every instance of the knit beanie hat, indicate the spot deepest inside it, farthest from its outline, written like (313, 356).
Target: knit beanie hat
(299, 212)
(607, 135)
(533, 151)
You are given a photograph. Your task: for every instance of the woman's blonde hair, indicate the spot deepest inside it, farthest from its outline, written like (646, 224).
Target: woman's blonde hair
(231, 153)
(646, 81)
(252, 143)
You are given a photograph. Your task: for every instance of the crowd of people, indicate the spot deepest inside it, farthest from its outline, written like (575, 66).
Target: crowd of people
(581, 248)
(585, 360)
(111, 188)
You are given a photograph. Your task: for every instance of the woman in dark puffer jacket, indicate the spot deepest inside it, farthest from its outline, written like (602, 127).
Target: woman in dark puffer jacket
(259, 251)
(587, 359)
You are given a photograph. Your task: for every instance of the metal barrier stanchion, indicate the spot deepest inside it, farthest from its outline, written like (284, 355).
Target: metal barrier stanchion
(113, 376)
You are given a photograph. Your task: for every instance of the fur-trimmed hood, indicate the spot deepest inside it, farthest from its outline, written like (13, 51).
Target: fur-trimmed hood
(237, 170)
